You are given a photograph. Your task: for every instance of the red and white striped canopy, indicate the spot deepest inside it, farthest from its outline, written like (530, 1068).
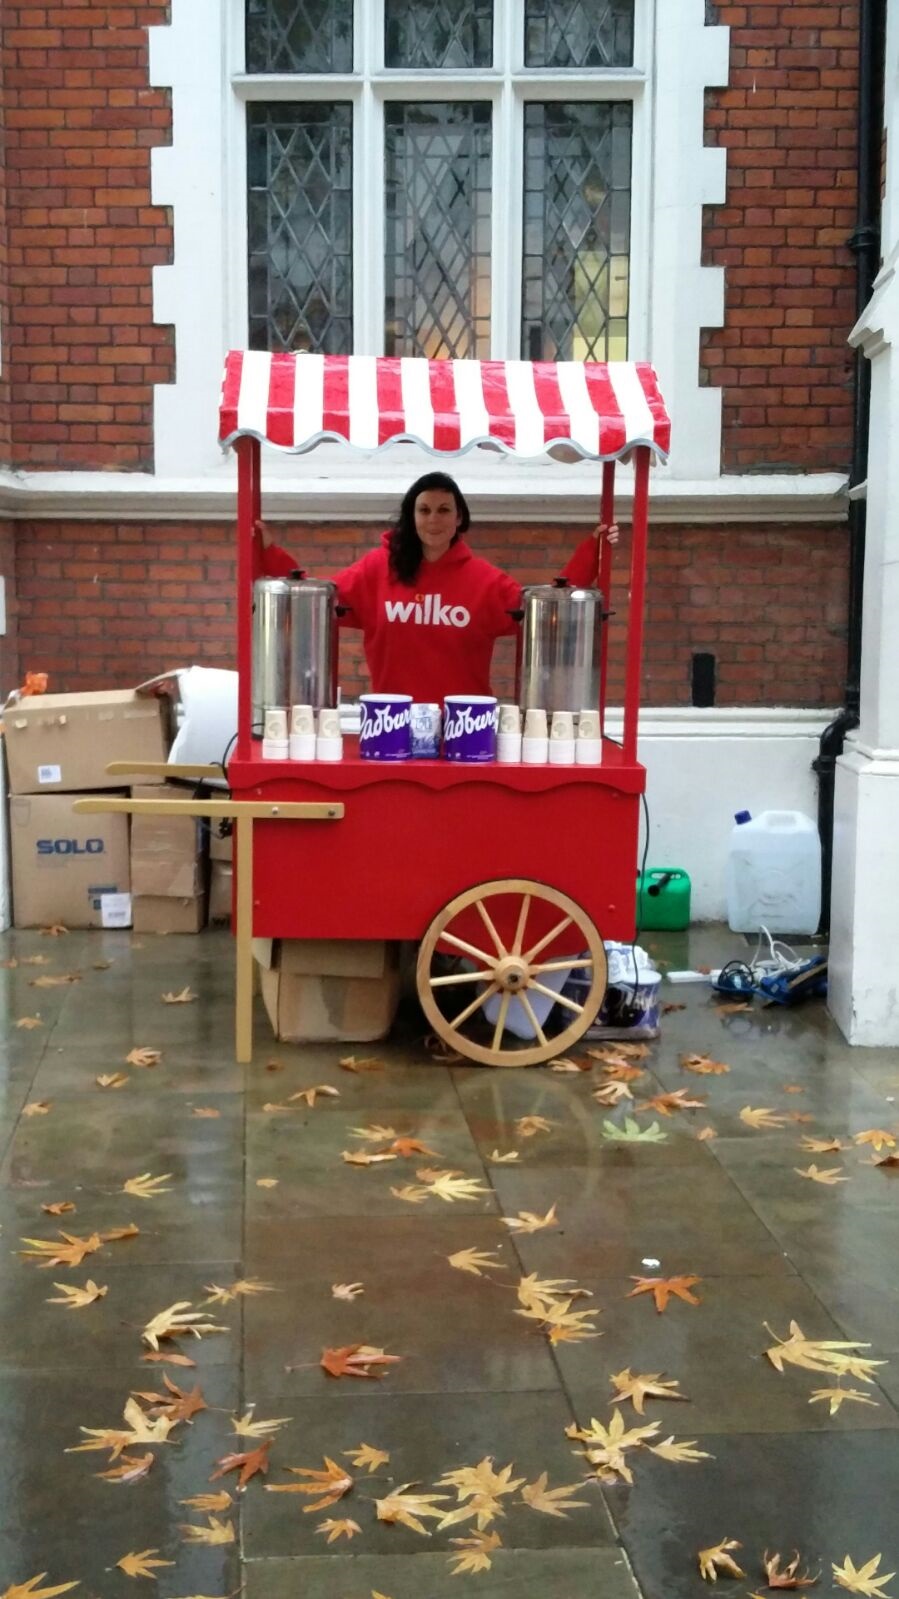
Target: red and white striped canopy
(523, 408)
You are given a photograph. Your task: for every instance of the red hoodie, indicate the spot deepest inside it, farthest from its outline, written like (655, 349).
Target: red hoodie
(434, 636)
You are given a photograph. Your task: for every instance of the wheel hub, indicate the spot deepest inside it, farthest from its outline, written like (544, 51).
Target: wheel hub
(512, 973)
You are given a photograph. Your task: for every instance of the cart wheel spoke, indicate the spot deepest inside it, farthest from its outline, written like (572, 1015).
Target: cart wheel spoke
(501, 1019)
(485, 918)
(548, 938)
(456, 1023)
(469, 949)
(560, 999)
(458, 977)
(522, 923)
(532, 1017)
(562, 965)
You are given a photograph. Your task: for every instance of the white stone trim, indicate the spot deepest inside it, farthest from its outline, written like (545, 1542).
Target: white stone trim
(202, 292)
(558, 495)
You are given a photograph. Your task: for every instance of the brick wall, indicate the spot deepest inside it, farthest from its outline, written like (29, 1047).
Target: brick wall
(788, 122)
(83, 352)
(109, 604)
(5, 443)
(9, 661)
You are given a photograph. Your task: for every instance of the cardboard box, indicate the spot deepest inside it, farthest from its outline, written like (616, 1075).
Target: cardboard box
(326, 957)
(221, 891)
(67, 868)
(167, 851)
(167, 913)
(313, 1007)
(62, 743)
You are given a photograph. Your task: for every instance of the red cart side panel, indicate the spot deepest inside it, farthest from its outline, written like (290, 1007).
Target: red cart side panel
(416, 834)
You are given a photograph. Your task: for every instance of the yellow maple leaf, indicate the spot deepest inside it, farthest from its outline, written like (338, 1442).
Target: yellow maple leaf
(683, 1449)
(480, 1490)
(703, 1065)
(310, 1095)
(761, 1118)
(407, 1508)
(70, 1252)
(716, 1559)
(361, 1157)
(551, 1501)
(504, 1160)
(367, 1455)
(864, 1579)
(38, 1107)
(29, 1022)
(527, 1126)
(876, 1137)
(348, 1291)
(143, 1057)
(330, 1484)
(186, 996)
(215, 1532)
(76, 1298)
(131, 1468)
(829, 1176)
(145, 1186)
(476, 1552)
(838, 1396)
(607, 1445)
(648, 1385)
(60, 1207)
(473, 1260)
(209, 1502)
(175, 1321)
(527, 1221)
(30, 1590)
(141, 1564)
(338, 1529)
(246, 1427)
(833, 1355)
(111, 1080)
(375, 1134)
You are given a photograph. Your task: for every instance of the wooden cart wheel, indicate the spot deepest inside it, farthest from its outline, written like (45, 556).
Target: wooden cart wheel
(511, 967)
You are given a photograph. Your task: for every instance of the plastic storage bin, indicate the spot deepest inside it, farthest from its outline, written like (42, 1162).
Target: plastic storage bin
(773, 875)
(663, 898)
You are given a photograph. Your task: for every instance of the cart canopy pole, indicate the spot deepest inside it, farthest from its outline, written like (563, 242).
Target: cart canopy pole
(606, 517)
(247, 516)
(635, 607)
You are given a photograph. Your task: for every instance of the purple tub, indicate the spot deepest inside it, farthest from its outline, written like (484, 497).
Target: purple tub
(469, 727)
(386, 730)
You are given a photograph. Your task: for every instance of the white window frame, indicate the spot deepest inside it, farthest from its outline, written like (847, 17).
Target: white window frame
(200, 55)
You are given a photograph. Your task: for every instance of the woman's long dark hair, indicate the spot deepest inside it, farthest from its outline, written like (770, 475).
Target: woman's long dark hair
(405, 552)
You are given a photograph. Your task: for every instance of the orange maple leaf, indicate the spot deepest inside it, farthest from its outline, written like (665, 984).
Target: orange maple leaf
(354, 1360)
(248, 1464)
(663, 1288)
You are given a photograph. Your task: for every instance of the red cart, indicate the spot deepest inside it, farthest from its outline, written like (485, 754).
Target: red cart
(504, 875)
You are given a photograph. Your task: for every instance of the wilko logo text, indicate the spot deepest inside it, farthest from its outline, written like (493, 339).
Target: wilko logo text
(70, 846)
(429, 611)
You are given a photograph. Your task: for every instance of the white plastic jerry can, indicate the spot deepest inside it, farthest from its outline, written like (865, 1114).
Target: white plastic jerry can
(773, 874)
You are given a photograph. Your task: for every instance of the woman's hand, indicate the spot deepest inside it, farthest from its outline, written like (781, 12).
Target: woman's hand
(609, 531)
(266, 536)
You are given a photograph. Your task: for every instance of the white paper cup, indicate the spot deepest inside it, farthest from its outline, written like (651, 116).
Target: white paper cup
(534, 751)
(302, 720)
(275, 749)
(301, 747)
(589, 751)
(588, 724)
(328, 724)
(562, 726)
(328, 749)
(561, 751)
(509, 719)
(508, 749)
(275, 724)
(535, 724)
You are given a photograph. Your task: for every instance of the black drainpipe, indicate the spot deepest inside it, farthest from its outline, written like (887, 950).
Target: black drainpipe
(864, 242)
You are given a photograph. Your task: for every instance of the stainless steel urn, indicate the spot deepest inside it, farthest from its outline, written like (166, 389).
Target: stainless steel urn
(560, 647)
(294, 644)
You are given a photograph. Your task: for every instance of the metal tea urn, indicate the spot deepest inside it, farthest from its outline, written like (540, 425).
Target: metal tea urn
(560, 647)
(294, 643)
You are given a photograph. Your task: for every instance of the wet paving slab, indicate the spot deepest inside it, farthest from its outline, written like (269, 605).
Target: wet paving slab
(256, 1217)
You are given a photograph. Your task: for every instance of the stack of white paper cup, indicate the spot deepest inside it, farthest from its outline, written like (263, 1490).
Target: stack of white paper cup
(302, 733)
(274, 736)
(589, 742)
(329, 744)
(508, 739)
(561, 739)
(535, 743)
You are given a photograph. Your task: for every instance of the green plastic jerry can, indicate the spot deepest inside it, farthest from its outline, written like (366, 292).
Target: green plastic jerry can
(663, 898)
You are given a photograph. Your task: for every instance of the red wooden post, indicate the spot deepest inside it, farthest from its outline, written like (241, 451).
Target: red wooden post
(248, 499)
(635, 611)
(606, 516)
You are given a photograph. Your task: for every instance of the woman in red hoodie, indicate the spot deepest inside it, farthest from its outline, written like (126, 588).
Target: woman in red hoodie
(429, 609)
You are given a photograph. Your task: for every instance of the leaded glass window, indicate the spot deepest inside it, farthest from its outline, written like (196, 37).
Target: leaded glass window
(438, 33)
(438, 204)
(579, 33)
(577, 205)
(300, 216)
(299, 35)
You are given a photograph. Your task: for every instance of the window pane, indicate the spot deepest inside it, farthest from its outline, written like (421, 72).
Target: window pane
(577, 163)
(438, 33)
(579, 33)
(299, 36)
(300, 223)
(438, 230)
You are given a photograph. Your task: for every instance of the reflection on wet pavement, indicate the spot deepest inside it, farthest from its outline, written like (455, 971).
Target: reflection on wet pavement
(259, 1216)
